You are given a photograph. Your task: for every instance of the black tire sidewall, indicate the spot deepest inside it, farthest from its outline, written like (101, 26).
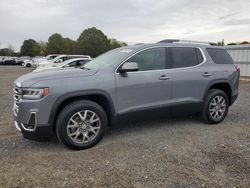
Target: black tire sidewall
(213, 93)
(68, 112)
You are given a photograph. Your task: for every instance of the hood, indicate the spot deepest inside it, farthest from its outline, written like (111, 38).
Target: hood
(44, 63)
(40, 60)
(30, 79)
(45, 68)
(50, 65)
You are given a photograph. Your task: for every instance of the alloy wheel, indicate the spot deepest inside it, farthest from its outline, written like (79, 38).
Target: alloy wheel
(83, 126)
(217, 107)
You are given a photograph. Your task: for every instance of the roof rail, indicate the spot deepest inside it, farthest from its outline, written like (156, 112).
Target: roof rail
(186, 41)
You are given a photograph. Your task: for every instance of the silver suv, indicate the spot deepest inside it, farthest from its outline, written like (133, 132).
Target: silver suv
(168, 78)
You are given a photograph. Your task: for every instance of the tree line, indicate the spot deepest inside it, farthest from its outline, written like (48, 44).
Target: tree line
(91, 41)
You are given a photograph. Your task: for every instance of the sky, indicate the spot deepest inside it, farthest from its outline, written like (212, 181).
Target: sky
(130, 21)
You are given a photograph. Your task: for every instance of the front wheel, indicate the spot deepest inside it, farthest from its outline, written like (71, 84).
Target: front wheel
(81, 124)
(215, 107)
(28, 65)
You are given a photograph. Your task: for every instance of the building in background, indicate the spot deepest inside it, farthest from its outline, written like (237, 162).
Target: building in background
(241, 56)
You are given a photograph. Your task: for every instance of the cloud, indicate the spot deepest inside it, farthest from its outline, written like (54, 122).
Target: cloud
(228, 15)
(128, 20)
(236, 22)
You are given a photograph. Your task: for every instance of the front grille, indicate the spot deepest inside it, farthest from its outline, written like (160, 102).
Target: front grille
(17, 96)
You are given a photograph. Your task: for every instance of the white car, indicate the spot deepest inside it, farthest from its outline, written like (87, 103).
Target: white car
(9, 60)
(47, 58)
(71, 63)
(21, 59)
(60, 59)
(28, 63)
(36, 60)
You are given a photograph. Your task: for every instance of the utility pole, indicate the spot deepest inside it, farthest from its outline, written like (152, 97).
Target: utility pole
(222, 42)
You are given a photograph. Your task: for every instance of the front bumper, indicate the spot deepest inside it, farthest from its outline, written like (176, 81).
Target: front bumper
(41, 133)
(31, 117)
(30, 128)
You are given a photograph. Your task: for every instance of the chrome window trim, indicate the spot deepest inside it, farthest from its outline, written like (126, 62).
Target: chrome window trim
(202, 52)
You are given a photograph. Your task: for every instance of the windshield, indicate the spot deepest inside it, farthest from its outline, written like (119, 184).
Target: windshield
(59, 64)
(57, 59)
(108, 59)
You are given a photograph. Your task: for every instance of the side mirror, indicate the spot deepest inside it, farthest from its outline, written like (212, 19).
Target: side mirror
(128, 67)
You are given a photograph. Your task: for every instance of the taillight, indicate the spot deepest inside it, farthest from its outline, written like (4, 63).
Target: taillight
(238, 69)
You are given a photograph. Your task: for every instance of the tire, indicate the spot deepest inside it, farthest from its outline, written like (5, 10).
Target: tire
(28, 65)
(209, 111)
(70, 125)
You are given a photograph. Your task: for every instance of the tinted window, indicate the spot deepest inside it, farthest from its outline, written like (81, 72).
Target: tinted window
(186, 57)
(220, 56)
(73, 64)
(151, 59)
(59, 60)
(82, 62)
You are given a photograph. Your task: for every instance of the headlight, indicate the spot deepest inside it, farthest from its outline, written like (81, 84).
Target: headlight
(34, 93)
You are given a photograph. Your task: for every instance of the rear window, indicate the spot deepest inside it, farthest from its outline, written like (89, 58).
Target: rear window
(220, 56)
(186, 57)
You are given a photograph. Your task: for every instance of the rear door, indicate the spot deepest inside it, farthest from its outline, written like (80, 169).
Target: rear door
(189, 79)
(149, 88)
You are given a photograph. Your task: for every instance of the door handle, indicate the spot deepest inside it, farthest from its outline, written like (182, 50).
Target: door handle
(207, 74)
(163, 77)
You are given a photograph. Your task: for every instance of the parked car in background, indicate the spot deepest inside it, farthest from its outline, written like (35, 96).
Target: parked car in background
(20, 60)
(60, 59)
(9, 60)
(28, 63)
(164, 79)
(71, 63)
(1, 60)
(36, 60)
(47, 58)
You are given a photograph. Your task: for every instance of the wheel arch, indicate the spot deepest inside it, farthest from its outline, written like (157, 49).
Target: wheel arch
(98, 96)
(223, 85)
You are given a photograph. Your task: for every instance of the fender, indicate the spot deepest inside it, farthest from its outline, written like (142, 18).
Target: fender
(218, 81)
(83, 93)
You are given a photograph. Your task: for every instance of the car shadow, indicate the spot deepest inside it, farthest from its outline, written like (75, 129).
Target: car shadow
(113, 132)
(139, 125)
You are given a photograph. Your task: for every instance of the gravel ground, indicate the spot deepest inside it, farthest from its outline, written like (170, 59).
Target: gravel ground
(179, 152)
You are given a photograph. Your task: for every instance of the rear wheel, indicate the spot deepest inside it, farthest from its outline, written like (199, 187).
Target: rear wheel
(216, 107)
(28, 65)
(81, 124)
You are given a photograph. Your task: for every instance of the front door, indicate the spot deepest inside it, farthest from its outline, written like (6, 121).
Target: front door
(149, 88)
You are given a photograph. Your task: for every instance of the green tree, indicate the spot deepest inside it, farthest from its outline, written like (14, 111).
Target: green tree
(231, 44)
(55, 44)
(43, 47)
(30, 48)
(70, 46)
(221, 43)
(6, 52)
(59, 45)
(92, 42)
(245, 42)
(116, 44)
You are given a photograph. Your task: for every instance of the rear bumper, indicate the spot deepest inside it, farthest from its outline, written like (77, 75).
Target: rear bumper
(233, 99)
